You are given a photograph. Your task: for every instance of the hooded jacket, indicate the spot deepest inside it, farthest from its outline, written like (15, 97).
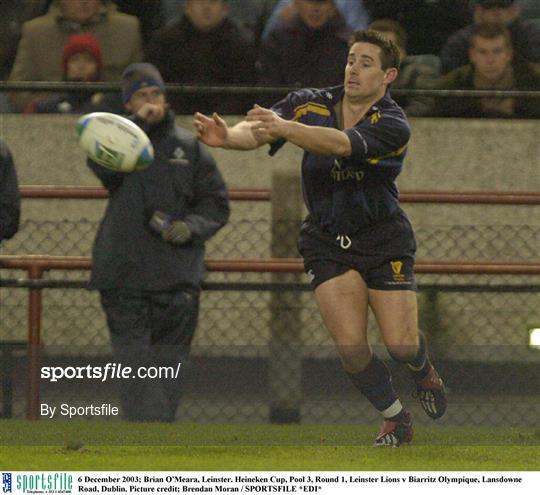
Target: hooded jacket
(182, 181)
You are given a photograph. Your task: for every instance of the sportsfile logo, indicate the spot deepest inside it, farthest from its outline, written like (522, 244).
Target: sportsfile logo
(57, 483)
(6, 483)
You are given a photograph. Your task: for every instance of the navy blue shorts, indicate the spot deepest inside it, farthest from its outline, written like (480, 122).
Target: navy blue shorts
(383, 254)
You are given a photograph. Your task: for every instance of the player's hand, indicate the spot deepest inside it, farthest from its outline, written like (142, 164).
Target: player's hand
(266, 123)
(151, 113)
(211, 131)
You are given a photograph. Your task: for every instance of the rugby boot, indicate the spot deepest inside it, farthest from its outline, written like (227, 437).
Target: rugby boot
(432, 394)
(395, 433)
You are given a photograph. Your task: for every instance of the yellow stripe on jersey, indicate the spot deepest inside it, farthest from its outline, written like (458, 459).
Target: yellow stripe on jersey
(400, 151)
(310, 107)
(375, 117)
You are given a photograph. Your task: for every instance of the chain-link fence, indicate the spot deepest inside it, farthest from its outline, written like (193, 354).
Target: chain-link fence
(261, 352)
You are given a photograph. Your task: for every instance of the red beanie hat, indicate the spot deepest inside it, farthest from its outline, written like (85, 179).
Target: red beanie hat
(78, 43)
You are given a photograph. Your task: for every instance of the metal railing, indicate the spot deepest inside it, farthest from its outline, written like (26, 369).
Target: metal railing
(189, 89)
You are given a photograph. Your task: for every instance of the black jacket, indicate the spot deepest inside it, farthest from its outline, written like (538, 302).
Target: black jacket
(428, 23)
(183, 54)
(10, 202)
(182, 181)
(295, 54)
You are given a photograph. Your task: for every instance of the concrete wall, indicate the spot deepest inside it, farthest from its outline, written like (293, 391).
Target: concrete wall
(455, 155)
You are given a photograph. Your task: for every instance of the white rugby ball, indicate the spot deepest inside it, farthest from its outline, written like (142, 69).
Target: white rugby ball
(114, 142)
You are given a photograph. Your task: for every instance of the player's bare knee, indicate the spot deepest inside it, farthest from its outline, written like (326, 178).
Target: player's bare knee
(354, 358)
(403, 348)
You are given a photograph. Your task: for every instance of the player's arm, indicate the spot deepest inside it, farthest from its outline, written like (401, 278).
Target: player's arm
(321, 140)
(213, 131)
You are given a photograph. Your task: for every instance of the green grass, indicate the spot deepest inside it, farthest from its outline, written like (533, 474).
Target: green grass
(110, 445)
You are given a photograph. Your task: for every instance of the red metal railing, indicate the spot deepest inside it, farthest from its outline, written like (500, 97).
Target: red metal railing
(494, 198)
(96, 192)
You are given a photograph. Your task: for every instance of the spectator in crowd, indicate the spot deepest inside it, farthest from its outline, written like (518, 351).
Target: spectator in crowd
(204, 47)
(149, 12)
(525, 34)
(81, 62)
(428, 23)
(354, 13)
(309, 49)
(10, 202)
(44, 38)
(412, 74)
(250, 15)
(493, 66)
(148, 254)
(13, 14)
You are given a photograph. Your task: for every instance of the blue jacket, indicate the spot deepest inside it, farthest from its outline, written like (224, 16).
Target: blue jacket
(344, 195)
(10, 202)
(182, 181)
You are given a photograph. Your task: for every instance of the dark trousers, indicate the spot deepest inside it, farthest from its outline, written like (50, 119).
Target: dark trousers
(151, 329)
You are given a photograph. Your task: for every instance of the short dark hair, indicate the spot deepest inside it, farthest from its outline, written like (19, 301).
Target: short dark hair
(489, 32)
(390, 56)
(390, 26)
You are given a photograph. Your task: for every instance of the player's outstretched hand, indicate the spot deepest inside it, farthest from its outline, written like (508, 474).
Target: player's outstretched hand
(266, 123)
(211, 131)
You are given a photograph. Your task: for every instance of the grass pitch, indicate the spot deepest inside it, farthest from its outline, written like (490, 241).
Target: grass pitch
(118, 446)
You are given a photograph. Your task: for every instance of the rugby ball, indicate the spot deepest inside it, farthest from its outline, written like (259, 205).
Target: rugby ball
(114, 142)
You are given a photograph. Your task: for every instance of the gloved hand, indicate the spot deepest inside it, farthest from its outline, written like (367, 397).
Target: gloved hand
(173, 231)
(177, 233)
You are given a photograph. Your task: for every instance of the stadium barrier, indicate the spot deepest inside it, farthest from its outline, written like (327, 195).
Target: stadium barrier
(286, 305)
(36, 265)
(273, 91)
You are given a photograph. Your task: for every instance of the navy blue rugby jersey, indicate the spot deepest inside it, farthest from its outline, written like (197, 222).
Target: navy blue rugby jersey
(345, 194)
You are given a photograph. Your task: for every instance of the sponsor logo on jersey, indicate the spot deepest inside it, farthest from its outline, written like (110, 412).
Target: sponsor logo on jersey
(338, 174)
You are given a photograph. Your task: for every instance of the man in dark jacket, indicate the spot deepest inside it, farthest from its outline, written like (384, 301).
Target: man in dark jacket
(10, 203)
(309, 49)
(148, 256)
(525, 34)
(493, 66)
(204, 47)
(428, 23)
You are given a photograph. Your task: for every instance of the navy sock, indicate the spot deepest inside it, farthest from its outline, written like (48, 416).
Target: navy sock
(419, 366)
(375, 383)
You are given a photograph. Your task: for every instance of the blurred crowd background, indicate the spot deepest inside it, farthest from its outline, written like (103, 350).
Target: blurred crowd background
(445, 44)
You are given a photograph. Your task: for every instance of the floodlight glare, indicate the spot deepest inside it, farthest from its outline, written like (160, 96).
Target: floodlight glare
(534, 338)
